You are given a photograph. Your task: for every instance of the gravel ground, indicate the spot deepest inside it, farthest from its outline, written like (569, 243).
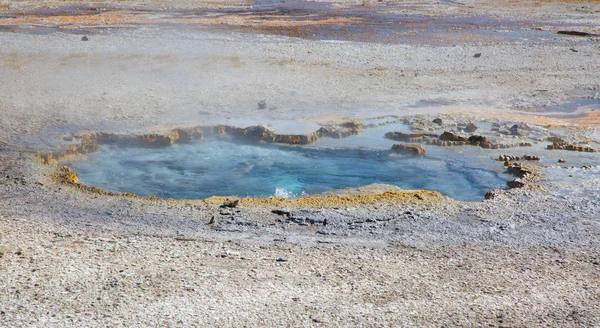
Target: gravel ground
(528, 257)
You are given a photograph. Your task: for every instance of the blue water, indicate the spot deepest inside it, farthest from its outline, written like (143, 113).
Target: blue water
(214, 166)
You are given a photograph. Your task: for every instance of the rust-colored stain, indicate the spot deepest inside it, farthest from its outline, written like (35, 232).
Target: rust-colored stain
(590, 119)
(294, 18)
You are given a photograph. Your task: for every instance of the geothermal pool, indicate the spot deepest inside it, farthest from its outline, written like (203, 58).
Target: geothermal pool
(220, 166)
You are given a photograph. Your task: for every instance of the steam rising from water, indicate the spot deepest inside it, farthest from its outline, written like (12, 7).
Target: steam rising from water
(284, 193)
(220, 167)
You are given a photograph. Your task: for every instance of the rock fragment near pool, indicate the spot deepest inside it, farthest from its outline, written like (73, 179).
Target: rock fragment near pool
(449, 136)
(409, 149)
(470, 128)
(410, 137)
(561, 145)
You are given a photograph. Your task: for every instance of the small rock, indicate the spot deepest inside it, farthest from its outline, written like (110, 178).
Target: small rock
(443, 122)
(279, 259)
(490, 194)
(84, 38)
(515, 184)
(577, 33)
(212, 220)
(471, 127)
(560, 160)
(477, 55)
(231, 202)
(449, 136)
(409, 149)
(262, 104)
(517, 130)
(281, 212)
(531, 157)
(477, 139)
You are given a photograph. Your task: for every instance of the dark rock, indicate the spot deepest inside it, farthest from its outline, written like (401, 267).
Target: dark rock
(481, 142)
(560, 160)
(470, 128)
(495, 126)
(477, 55)
(262, 104)
(577, 33)
(490, 194)
(517, 130)
(212, 220)
(84, 38)
(477, 139)
(281, 212)
(409, 149)
(449, 136)
(515, 184)
(443, 122)
(279, 259)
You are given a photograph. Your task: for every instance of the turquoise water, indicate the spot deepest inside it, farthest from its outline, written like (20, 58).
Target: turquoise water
(214, 166)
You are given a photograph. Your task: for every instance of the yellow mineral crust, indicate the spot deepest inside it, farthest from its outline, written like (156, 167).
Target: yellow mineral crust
(335, 201)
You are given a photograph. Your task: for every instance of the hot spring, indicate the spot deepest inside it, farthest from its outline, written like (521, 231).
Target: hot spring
(220, 166)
